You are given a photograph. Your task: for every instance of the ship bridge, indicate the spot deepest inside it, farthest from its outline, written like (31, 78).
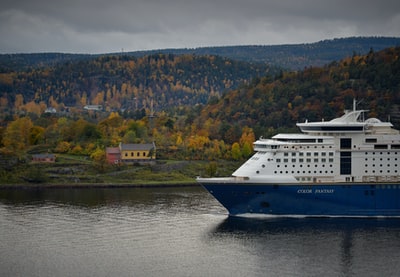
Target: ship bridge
(350, 122)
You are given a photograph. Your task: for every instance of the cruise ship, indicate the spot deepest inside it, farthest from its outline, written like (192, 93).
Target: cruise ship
(348, 166)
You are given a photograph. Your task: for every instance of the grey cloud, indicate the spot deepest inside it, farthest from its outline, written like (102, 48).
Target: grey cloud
(106, 26)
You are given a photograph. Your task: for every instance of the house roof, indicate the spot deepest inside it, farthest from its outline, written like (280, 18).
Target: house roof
(113, 150)
(43, 156)
(137, 147)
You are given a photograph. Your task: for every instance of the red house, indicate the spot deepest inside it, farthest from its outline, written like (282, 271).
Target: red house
(113, 155)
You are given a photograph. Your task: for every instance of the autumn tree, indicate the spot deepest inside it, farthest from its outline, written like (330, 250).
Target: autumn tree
(18, 134)
(236, 152)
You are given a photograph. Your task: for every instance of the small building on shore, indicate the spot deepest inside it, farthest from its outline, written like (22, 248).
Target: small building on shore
(93, 107)
(44, 158)
(130, 153)
(113, 155)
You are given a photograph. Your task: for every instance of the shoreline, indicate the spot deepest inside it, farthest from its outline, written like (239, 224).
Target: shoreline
(97, 185)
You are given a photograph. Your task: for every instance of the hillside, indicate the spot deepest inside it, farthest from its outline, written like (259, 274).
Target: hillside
(224, 128)
(290, 56)
(293, 56)
(270, 105)
(156, 82)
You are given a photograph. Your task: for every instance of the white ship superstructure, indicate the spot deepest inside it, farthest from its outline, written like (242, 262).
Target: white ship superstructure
(346, 149)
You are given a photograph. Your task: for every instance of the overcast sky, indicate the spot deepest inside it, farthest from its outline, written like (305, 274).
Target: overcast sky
(104, 26)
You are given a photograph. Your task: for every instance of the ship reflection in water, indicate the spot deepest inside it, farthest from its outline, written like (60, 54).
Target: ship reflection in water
(316, 246)
(180, 232)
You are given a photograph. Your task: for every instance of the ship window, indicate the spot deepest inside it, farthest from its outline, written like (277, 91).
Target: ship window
(278, 160)
(396, 146)
(323, 154)
(293, 160)
(308, 154)
(301, 160)
(294, 154)
(285, 160)
(330, 153)
(308, 160)
(257, 172)
(301, 154)
(285, 154)
(263, 165)
(370, 140)
(380, 146)
(331, 160)
(315, 160)
(315, 154)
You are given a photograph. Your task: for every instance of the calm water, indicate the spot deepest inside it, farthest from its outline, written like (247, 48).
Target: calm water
(180, 232)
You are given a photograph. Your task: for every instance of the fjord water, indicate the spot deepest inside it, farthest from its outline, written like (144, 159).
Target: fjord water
(180, 231)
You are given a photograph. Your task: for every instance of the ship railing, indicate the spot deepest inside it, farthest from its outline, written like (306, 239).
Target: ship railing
(375, 179)
(241, 178)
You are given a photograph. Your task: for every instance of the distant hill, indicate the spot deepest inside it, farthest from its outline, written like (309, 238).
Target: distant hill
(292, 56)
(289, 56)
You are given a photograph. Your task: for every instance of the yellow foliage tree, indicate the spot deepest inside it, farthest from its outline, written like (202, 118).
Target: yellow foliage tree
(17, 134)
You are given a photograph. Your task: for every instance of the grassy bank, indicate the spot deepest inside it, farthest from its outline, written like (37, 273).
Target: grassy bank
(80, 171)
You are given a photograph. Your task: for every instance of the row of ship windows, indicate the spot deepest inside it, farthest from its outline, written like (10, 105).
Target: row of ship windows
(381, 165)
(321, 172)
(381, 153)
(315, 160)
(320, 160)
(307, 160)
(324, 154)
(299, 172)
(309, 154)
(381, 159)
(380, 171)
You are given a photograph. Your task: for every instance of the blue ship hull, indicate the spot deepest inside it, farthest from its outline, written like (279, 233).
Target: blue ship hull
(308, 200)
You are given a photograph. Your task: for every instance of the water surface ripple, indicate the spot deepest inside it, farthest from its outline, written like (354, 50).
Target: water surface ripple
(180, 232)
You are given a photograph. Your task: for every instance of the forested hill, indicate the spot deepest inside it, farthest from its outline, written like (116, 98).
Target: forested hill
(159, 82)
(290, 56)
(293, 56)
(272, 105)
